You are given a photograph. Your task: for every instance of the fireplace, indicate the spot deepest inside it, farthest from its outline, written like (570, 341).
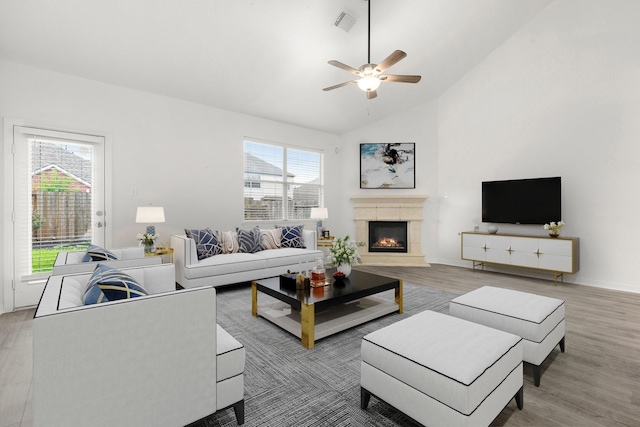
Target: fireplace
(388, 236)
(386, 210)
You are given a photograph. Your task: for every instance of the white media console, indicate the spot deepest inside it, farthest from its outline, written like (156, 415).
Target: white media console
(558, 255)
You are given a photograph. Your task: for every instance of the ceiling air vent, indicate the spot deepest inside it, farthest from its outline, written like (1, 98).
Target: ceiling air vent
(344, 21)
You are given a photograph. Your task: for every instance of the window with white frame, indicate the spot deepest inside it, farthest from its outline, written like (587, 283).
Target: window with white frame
(281, 182)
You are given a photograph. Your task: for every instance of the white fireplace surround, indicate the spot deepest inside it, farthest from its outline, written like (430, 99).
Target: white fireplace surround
(390, 208)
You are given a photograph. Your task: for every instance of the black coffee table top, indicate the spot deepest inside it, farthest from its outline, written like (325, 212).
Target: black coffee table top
(358, 285)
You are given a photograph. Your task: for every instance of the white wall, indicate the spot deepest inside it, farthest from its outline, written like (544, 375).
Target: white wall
(559, 98)
(417, 125)
(183, 156)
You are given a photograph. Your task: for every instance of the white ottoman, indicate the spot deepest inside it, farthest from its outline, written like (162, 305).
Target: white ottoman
(442, 371)
(537, 319)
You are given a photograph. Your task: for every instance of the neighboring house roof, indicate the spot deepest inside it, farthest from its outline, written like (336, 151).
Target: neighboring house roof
(62, 171)
(46, 155)
(261, 167)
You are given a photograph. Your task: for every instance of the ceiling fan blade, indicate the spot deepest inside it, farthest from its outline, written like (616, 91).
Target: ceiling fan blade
(344, 67)
(400, 79)
(339, 85)
(390, 60)
(371, 94)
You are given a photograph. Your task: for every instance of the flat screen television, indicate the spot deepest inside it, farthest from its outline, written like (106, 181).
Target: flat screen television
(522, 201)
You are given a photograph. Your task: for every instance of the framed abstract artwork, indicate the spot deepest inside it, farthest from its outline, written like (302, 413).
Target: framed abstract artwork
(390, 165)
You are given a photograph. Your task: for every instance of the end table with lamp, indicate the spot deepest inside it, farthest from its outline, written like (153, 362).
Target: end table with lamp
(149, 215)
(319, 214)
(165, 252)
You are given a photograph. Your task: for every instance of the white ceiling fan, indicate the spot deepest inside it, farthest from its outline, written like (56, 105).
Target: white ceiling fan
(371, 75)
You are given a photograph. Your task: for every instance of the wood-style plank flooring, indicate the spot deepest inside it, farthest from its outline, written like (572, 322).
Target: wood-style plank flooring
(596, 382)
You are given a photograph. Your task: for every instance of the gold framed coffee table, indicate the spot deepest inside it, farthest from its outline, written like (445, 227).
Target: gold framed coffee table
(315, 313)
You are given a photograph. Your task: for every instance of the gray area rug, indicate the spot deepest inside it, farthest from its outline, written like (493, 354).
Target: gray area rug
(288, 385)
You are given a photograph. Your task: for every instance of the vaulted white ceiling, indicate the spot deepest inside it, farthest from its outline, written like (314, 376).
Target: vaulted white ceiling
(266, 58)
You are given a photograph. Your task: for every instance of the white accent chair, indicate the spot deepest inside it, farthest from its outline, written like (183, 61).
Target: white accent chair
(155, 360)
(71, 262)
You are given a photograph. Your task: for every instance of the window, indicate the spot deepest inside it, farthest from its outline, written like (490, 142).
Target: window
(251, 180)
(281, 182)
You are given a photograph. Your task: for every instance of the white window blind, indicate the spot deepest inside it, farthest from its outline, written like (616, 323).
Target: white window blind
(281, 182)
(57, 215)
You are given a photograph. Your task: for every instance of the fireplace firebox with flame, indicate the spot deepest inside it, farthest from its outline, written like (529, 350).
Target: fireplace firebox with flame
(388, 236)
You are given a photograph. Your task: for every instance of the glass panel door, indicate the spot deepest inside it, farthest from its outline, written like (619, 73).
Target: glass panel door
(58, 203)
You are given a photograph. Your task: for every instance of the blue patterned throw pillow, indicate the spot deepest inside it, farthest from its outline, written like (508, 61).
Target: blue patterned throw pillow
(96, 253)
(292, 236)
(207, 244)
(109, 284)
(250, 241)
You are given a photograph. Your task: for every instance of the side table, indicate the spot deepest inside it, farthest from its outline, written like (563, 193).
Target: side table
(324, 244)
(165, 253)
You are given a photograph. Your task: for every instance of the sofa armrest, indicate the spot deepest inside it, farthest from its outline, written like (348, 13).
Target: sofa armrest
(159, 348)
(310, 239)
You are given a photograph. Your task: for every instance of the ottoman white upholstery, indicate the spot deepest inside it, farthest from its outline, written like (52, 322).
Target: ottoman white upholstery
(441, 370)
(537, 319)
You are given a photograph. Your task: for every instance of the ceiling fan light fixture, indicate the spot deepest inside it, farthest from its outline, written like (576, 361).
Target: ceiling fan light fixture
(369, 83)
(371, 75)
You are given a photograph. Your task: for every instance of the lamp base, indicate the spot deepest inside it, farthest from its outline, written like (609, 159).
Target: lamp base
(151, 229)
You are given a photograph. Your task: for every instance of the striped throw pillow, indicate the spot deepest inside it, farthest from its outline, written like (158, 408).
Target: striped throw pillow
(249, 240)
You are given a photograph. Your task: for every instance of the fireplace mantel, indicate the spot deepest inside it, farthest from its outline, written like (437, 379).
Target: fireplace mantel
(390, 208)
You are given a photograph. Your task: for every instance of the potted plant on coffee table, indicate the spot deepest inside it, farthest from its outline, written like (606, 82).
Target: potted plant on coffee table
(344, 253)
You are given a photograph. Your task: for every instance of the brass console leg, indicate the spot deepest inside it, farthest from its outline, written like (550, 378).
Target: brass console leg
(557, 275)
(399, 298)
(307, 325)
(254, 299)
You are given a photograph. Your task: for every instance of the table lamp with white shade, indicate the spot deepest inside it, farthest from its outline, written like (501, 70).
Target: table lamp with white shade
(319, 214)
(150, 215)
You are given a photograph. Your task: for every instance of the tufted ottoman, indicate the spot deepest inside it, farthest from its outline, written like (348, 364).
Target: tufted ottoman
(537, 319)
(441, 370)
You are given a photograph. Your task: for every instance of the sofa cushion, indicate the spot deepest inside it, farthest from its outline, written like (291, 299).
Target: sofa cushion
(290, 256)
(271, 238)
(96, 253)
(72, 293)
(109, 284)
(229, 241)
(292, 236)
(249, 240)
(225, 264)
(207, 243)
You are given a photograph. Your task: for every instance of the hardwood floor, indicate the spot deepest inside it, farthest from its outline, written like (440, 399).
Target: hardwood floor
(596, 382)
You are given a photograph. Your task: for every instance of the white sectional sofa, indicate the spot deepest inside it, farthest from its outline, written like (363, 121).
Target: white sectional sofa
(71, 262)
(155, 360)
(225, 269)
